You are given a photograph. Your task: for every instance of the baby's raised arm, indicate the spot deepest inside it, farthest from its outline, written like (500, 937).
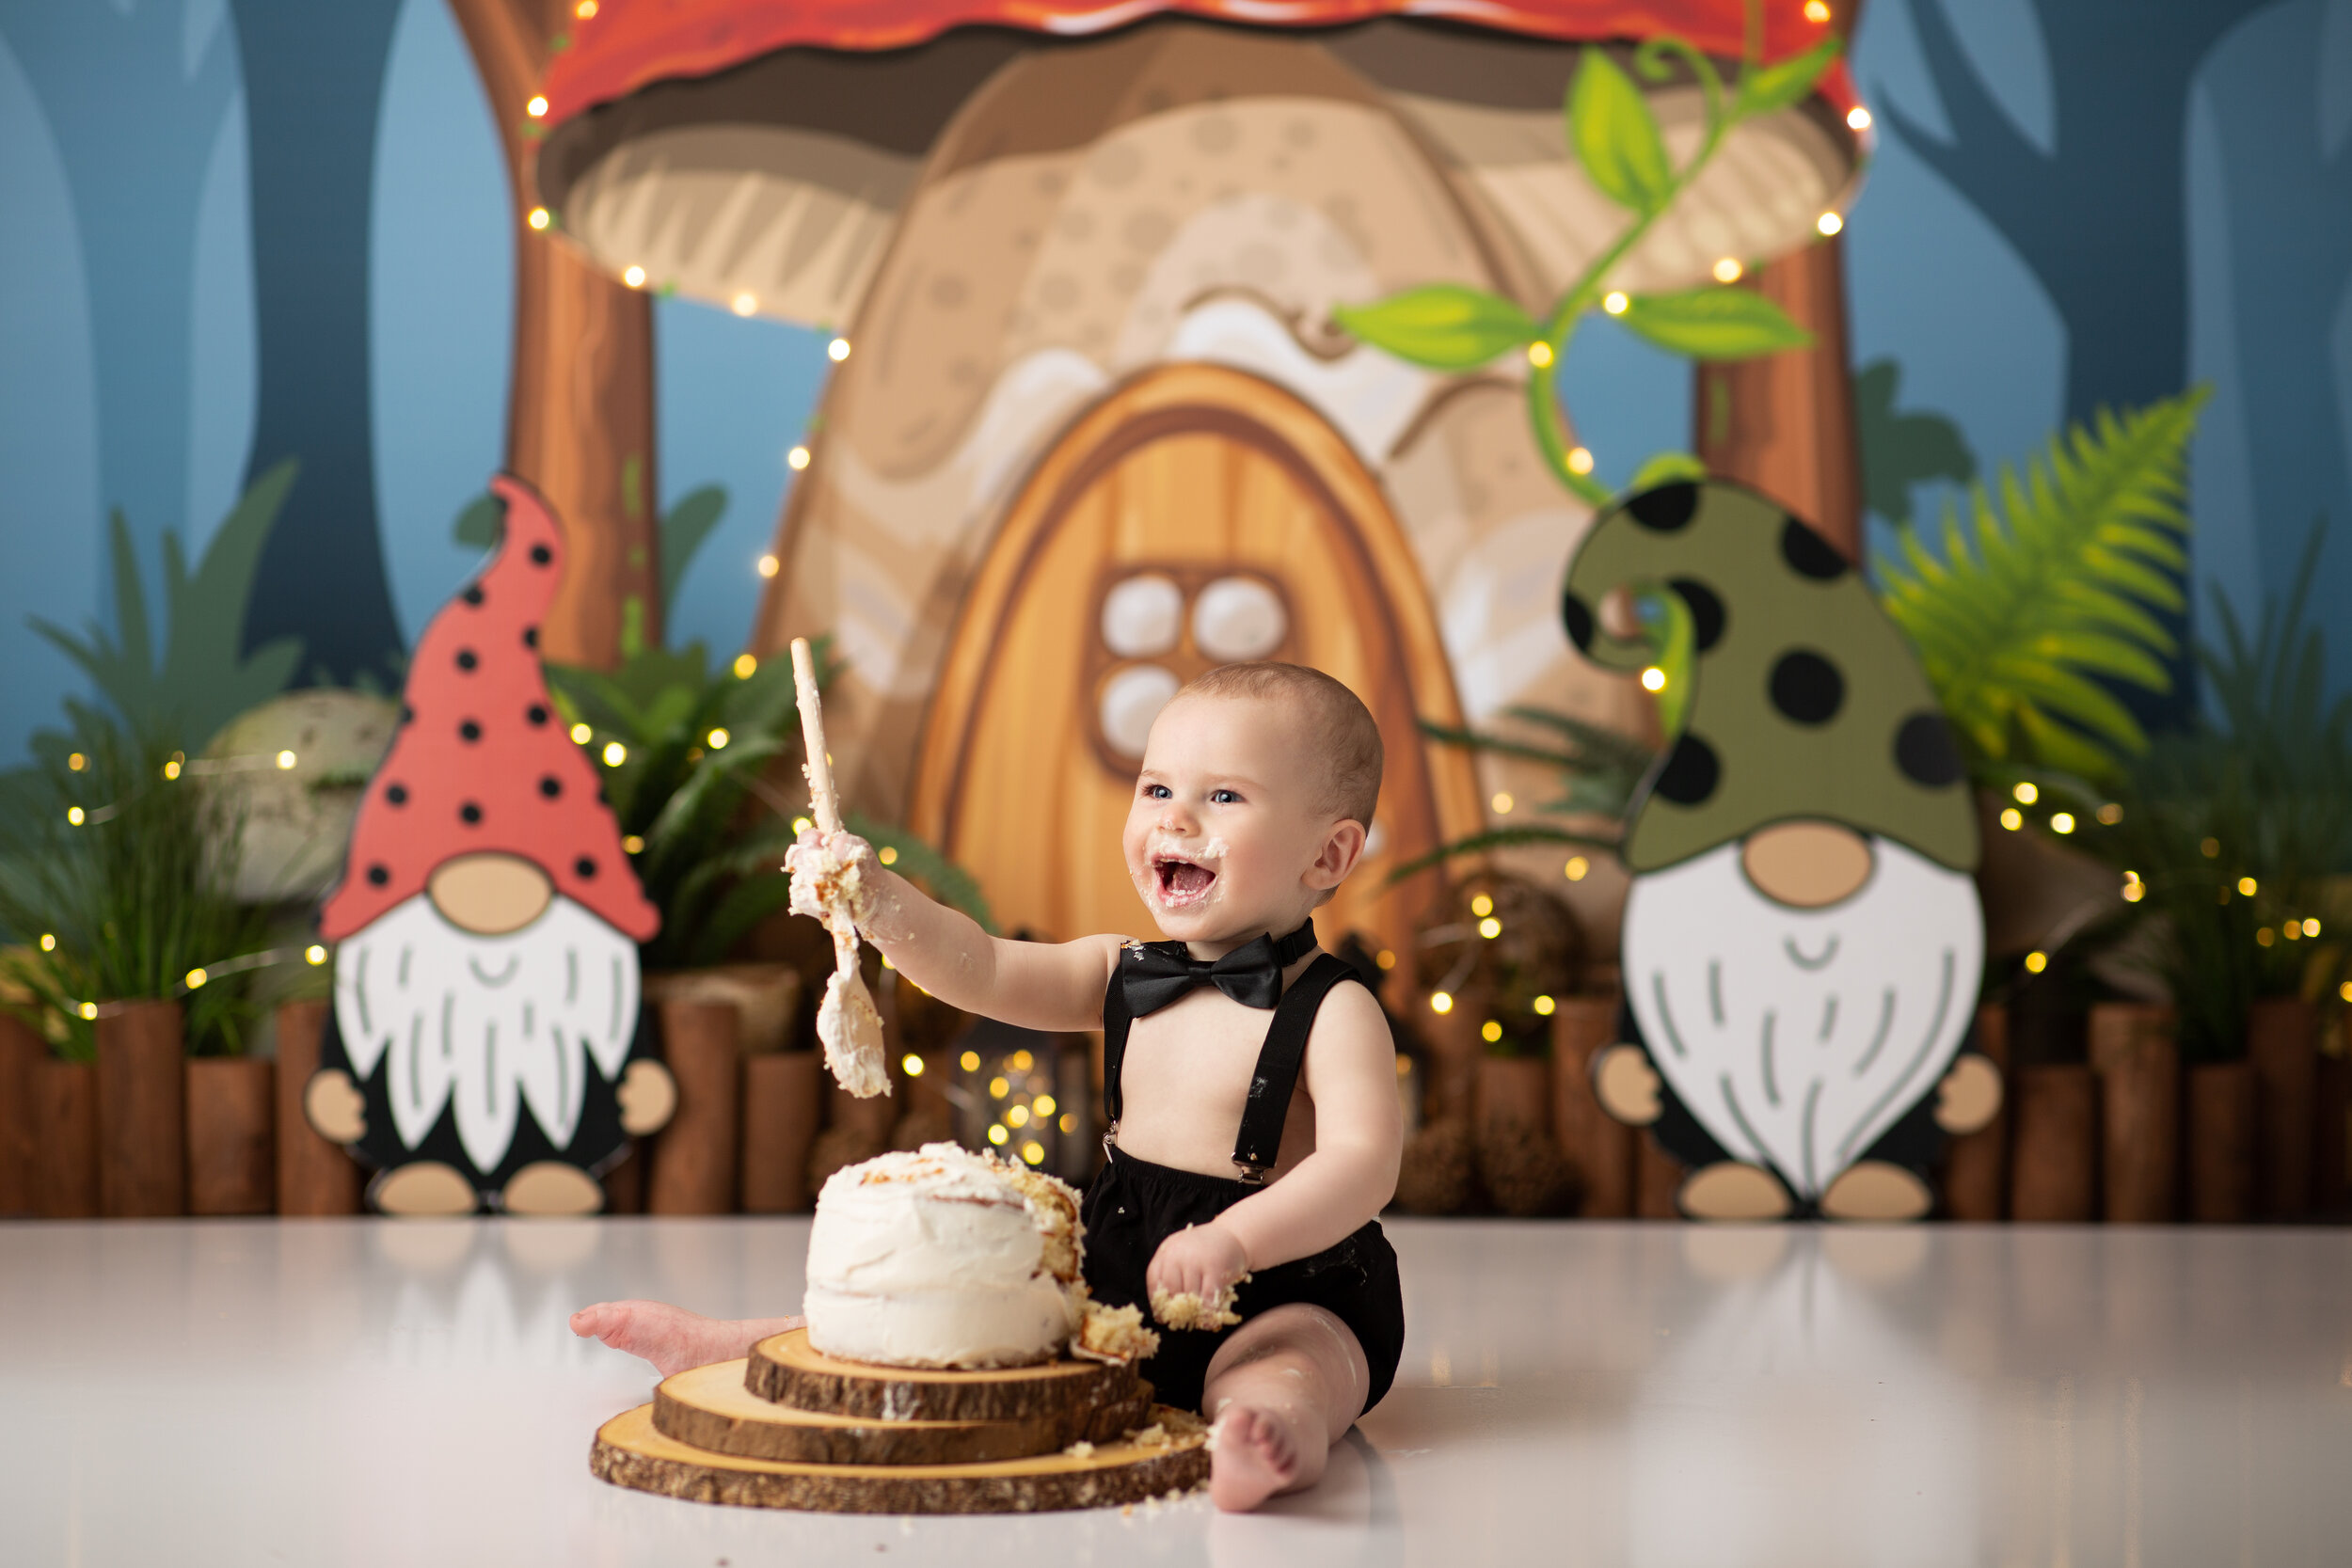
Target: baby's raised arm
(1050, 986)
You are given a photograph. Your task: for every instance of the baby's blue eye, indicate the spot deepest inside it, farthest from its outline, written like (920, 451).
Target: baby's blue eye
(1155, 792)
(1224, 797)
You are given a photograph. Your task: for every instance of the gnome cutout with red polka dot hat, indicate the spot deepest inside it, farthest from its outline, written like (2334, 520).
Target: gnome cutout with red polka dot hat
(486, 1047)
(1803, 941)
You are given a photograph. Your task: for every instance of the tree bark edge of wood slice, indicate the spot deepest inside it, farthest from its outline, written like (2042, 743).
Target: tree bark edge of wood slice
(784, 1369)
(628, 1452)
(711, 1408)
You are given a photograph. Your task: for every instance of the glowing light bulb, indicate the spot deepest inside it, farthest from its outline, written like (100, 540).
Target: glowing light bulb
(585, 9)
(285, 761)
(1539, 355)
(1043, 1105)
(998, 1136)
(48, 941)
(2110, 813)
(581, 734)
(1503, 804)
(1481, 904)
(2263, 937)
(2027, 794)
(2210, 849)
(538, 218)
(89, 1009)
(802, 825)
(744, 304)
(2013, 818)
(614, 753)
(1023, 1061)
(717, 740)
(1385, 958)
(314, 955)
(632, 844)
(837, 350)
(2246, 886)
(1653, 679)
(969, 1061)
(1440, 1002)
(1033, 1153)
(1069, 1122)
(998, 1088)
(77, 762)
(635, 276)
(745, 667)
(1728, 270)
(2311, 926)
(1615, 302)
(2063, 822)
(1577, 868)
(2037, 962)
(1580, 460)
(1490, 1031)
(74, 815)
(536, 108)
(796, 459)
(1816, 12)
(1829, 223)
(172, 769)
(1546, 1006)
(197, 978)
(770, 565)
(1017, 1116)
(1490, 928)
(887, 854)
(1857, 118)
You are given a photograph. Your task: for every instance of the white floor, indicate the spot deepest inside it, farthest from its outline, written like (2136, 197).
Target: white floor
(351, 1393)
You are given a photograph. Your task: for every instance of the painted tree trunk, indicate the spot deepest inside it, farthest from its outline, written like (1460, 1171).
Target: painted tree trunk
(69, 1140)
(2221, 1143)
(142, 1110)
(1783, 423)
(2132, 1049)
(315, 1177)
(1599, 1146)
(2055, 1177)
(1976, 1172)
(782, 1102)
(232, 1143)
(580, 407)
(2282, 1047)
(693, 1170)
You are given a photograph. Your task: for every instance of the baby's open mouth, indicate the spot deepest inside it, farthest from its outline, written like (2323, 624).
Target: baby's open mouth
(1181, 881)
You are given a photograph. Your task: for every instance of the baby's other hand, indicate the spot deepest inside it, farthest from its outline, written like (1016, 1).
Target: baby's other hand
(1200, 1260)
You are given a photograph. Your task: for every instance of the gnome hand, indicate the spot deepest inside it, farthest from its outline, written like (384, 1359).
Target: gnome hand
(647, 1097)
(1626, 1085)
(1970, 1096)
(336, 1107)
(829, 874)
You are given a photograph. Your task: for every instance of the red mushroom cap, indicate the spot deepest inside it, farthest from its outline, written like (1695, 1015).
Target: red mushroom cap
(482, 762)
(631, 43)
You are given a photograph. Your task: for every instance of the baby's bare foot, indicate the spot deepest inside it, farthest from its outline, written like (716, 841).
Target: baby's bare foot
(672, 1339)
(1255, 1457)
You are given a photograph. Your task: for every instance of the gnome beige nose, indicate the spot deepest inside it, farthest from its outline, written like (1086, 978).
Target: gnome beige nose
(489, 894)
(1807, 864)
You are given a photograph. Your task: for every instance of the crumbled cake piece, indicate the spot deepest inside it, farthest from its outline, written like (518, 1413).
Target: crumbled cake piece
(1055, 1204)
(1113, 1334)
(1183, 1309)
(1080, 1449)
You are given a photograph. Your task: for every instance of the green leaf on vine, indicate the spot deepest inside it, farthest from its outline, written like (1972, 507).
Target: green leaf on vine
(1714, 324)
(1616, 137)
(1444, 326)
(1777, 86)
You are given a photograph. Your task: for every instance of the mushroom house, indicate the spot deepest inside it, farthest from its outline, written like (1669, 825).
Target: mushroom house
(1094, 429)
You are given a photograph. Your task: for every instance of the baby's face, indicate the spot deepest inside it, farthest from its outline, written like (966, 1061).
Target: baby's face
(1224, 839)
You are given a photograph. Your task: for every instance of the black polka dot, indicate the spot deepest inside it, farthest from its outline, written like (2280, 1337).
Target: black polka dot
(470, 813)
(1707, 610)
(1925, 750)
(537, 713)
(1667, 509)
(551, 786)
(1692, 772)
(378, 875)
(466, 659)
(1578, 616)
(396, 794)
(474, 594)
(1810, 554)
(584, 866)
(530, 637)
(541, 555)
(470, 731)
(1807, 688)
(407, 713)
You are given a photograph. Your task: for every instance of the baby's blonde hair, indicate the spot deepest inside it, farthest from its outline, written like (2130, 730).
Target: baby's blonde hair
(1339, 728)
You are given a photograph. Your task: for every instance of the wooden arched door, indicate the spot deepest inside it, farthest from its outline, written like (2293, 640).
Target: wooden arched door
(1196, 516)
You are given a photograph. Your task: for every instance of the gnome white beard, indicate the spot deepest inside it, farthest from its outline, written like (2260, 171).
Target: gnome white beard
(494, 1024)
(1798, 1036)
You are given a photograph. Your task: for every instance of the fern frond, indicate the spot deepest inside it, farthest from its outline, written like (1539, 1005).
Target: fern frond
(2049, 589)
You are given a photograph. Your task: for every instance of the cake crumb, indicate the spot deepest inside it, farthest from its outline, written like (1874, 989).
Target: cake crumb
(1113, 1333)
(1183, 1309)
(1080, 1449)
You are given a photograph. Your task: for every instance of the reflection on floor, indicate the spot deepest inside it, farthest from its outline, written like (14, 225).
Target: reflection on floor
(355, 1393)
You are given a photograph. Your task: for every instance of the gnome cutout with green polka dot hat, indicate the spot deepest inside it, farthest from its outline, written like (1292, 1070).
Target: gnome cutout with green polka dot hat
(1802, 941)
(487, 1046)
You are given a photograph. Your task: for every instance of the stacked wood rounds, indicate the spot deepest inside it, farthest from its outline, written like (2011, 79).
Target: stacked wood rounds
(793, 1428)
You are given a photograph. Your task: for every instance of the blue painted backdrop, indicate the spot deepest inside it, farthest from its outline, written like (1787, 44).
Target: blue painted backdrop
(2075, 202)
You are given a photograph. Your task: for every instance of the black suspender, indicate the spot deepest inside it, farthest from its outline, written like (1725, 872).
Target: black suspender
(1271, 1084)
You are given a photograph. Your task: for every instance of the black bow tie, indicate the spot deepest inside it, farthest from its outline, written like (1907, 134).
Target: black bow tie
(1153, 974)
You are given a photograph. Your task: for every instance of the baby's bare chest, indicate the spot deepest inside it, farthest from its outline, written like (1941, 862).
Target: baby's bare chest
(1193, 1061)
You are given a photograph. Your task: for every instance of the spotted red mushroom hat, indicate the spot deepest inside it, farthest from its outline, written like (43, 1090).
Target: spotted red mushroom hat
(482, 762)
(1807, 703)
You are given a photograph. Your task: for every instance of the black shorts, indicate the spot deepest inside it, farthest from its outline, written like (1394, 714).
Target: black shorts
(1134, 1205)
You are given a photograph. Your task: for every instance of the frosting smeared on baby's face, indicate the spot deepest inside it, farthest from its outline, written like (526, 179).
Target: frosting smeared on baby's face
(1227, 836)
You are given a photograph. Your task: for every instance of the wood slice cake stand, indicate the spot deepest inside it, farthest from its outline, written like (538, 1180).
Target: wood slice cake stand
(791, 1427)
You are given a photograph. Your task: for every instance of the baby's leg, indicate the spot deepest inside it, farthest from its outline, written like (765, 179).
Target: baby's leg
(672, 1339)
(1282, 1390)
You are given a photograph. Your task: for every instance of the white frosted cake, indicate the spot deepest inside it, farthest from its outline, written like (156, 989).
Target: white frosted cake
(944, 1257)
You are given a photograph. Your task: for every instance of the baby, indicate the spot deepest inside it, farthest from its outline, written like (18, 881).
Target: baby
(1252, 1087)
